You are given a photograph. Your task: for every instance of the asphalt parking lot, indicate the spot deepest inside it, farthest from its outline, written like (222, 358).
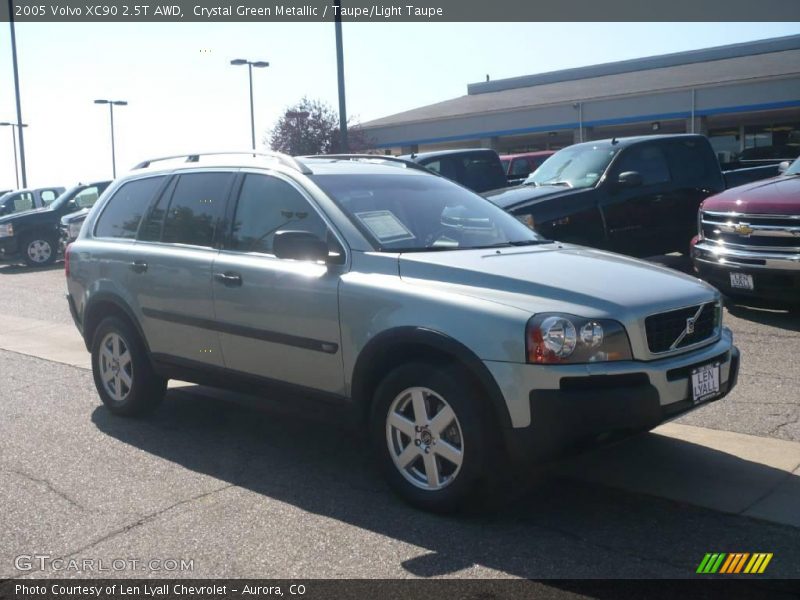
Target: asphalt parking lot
(252, 493)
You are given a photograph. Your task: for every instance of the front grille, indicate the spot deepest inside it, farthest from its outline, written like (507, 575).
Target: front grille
(752, 232)
(665, 328)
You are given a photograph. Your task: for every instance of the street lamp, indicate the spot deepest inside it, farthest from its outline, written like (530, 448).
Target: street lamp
(14, 141)
(258, 64)
(111, 105)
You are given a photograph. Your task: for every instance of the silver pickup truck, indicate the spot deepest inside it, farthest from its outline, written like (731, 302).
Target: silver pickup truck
(460, 340)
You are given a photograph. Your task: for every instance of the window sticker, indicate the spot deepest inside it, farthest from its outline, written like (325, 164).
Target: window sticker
(385, 226)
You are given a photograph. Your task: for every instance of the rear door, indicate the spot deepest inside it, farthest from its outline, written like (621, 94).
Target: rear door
(638, 218)
(278, 318)
(171, 268)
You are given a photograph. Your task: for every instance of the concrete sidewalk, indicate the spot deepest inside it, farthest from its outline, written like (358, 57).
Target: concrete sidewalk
(721, 470)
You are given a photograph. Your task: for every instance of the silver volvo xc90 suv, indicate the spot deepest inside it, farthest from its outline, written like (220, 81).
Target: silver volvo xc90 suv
(461, 339)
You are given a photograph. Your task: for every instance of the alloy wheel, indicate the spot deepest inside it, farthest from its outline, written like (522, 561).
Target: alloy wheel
(39, 251)
(116, 367)
(424, 438)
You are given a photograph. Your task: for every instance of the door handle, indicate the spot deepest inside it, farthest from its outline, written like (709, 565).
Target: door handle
(138, 266)
(229, 278)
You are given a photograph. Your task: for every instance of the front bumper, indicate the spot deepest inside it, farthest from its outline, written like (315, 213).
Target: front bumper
(9, 249)
(776, 275)
(557, 407)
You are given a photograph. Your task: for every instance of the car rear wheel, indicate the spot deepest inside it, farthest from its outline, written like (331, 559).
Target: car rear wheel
(39, 250)
(123, 375)
(430, 435)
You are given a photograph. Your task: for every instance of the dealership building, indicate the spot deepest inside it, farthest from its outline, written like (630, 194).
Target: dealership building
(742, 96)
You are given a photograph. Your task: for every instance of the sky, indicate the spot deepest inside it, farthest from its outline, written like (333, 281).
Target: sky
(185, 97)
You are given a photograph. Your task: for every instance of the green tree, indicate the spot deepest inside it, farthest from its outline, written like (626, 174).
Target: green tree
(312, 127)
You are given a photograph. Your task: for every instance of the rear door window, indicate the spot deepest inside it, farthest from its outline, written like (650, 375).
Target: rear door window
(123, 212)
(520, 167)
(196, 208)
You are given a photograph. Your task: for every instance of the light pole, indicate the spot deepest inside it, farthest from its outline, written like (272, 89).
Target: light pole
(340, 76)
(111, 104)
(14, 141)
(258, 64)
(16, 92)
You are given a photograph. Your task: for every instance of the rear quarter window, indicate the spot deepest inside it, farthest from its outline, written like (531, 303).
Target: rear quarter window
(124, 210)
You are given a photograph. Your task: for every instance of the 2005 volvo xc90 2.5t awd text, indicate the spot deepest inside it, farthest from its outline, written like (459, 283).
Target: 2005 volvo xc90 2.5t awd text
(458, 337)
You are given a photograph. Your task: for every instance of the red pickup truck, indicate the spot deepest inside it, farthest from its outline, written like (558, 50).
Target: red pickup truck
(749, 239)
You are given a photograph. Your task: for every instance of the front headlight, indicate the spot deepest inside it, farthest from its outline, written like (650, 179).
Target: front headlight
(75, 229)
(553, 338)
(6, 230)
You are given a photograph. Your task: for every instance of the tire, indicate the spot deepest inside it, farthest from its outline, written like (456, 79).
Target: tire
(123, 375)
(467, 437)
(39, 250)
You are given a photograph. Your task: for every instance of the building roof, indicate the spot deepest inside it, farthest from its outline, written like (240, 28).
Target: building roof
(764, 59)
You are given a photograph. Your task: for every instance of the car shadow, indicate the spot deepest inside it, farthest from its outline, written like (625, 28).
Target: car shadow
(16, 269)
(765, 314)
(561, 527)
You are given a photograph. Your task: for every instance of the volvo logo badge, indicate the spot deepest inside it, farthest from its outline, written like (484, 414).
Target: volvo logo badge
(690, 326)
(743, 229)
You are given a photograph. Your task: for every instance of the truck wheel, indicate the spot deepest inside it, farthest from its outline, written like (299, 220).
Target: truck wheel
(39, 250)
(127, 384)
(430, 435)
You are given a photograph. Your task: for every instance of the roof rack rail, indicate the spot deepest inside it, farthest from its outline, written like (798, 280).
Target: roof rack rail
(409, 164)
(284, 159)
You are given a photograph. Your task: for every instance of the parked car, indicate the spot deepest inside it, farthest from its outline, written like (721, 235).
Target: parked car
(637, 195)
(479, 169)
(20, 200)
(517, 167)
(85, 198)
(458, 338)
(33, 236)
(748, 243)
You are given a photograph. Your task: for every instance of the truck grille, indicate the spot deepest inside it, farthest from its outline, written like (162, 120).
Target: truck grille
(776, 233)
(665, 329)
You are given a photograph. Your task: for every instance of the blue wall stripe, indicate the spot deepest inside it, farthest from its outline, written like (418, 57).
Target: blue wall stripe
(599, 123)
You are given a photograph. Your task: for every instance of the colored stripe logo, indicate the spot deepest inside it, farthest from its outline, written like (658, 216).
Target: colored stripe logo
(734, 563)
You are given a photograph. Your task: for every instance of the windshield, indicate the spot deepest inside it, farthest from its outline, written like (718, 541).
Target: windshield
(412, 212)
(578, 166)
(794, 168)
(66, 197)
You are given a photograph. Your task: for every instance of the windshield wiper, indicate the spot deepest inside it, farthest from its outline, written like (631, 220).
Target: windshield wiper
(531, 242)
(564, 182)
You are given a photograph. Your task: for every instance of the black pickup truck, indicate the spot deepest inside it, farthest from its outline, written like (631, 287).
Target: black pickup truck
(637, 195)
(33, 236)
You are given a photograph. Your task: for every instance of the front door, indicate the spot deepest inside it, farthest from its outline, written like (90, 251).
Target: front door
(278, 318)
(638, 219)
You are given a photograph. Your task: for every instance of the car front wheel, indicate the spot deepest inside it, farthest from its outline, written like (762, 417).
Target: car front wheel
(430, 433)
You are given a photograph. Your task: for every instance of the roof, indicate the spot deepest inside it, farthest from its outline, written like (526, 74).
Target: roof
(527, 154)
(437, 153)
(740, 62)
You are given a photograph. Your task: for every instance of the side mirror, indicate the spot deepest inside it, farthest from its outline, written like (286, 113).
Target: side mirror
(629, 179)
(299, 245)
(783, 166)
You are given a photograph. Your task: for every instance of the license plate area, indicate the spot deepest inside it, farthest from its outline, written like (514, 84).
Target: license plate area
(704, 382)
(742, 281)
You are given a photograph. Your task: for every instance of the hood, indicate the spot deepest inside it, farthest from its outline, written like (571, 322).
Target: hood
(779, 195)
(79, 215)
(25, 213)
(558, 277)
(510, 197)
